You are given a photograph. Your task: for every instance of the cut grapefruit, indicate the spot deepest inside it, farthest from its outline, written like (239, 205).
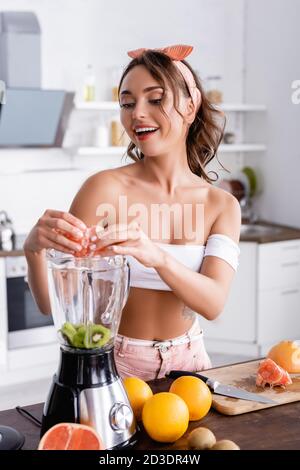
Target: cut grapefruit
(270, 373)
(71, 436)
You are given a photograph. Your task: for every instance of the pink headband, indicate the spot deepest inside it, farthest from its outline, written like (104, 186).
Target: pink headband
(177, 53)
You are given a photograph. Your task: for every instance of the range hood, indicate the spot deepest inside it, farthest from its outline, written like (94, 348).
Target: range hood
(34, 117)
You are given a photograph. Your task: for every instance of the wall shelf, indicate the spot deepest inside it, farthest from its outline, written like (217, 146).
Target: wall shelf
(114, 106)
(101, 150)
(242, 107)
(225, 148)
(228, 148)
(119, 151)
(97, 105)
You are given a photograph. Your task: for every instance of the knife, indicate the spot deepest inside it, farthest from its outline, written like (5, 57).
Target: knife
(226, 390)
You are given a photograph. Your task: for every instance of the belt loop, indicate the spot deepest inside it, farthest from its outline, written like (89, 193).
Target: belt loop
(123, 346)
(189, 335)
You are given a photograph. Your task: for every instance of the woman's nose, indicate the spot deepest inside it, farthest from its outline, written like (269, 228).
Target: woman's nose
(139, 110)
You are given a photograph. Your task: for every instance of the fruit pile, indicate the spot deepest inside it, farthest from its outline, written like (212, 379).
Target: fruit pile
(85, 336)
(166, 415)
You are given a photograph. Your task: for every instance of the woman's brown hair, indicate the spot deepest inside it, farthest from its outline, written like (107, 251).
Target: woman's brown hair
(205, 133)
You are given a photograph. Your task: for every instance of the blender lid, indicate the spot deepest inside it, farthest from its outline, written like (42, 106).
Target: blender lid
(10, 438)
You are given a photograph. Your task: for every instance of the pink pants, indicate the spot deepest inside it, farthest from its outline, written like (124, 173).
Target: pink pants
(150, 360)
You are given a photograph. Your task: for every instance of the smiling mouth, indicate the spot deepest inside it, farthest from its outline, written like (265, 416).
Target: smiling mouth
(143, 134)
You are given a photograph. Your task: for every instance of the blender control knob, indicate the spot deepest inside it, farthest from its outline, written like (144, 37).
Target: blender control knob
(121, 417)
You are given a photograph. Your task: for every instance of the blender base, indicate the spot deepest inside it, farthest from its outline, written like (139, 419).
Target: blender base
(88, 390)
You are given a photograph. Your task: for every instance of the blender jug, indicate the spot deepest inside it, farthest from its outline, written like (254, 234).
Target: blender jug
(87, 296)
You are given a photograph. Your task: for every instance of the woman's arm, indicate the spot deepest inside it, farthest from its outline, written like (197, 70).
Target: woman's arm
(205, 292)
(37, 279)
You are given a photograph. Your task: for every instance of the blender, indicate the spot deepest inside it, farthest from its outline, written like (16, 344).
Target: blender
(87, 296)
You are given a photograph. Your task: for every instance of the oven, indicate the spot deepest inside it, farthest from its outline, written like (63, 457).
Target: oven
(27, 326)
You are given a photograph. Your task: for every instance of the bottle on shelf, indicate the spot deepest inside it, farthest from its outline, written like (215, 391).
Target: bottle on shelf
(214, 89)
(89, 90)
(115, 79)
(101, 134)
(118, 136)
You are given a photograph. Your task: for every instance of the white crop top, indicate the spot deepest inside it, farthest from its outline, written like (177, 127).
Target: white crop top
(190, 255)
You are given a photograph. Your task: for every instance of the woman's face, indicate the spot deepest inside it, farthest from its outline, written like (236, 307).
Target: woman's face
(151, 131)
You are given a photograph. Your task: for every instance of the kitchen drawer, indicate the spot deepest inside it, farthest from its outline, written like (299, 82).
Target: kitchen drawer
(279, 264)
(279, 315)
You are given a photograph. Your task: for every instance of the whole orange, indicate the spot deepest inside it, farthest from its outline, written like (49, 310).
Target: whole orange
(165, 417)
(195, 393)
(138, 393)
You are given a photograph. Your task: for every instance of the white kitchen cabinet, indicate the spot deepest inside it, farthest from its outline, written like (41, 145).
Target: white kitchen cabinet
(278, 315)
(263, 307)
(279, 264)
(278, 308)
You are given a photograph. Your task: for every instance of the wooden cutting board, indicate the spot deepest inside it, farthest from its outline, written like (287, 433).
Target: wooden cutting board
(244, 376)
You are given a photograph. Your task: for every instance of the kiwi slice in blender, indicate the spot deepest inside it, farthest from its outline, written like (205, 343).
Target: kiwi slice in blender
(68, 331)
(78, 338)
(96, 336)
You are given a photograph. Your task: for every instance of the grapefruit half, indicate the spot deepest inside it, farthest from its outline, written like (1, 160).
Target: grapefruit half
(71, 436)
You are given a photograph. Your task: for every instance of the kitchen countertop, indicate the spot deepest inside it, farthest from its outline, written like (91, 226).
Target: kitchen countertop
(269, 429)
(17, 248)
(286, 233)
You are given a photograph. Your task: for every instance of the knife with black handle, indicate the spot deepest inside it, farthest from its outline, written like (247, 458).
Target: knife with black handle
(226, 390)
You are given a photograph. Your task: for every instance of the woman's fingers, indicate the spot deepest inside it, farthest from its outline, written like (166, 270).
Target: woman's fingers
(103, 228)
(65, 216)
(126, 250)
(112, 238)
(62, 225)
(58, 247)
(62, 241)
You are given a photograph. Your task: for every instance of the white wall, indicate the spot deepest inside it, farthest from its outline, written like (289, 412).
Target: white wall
(272, 64)
(78, 32)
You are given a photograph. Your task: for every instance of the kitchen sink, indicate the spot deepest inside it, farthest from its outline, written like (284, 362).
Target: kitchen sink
(256, 229)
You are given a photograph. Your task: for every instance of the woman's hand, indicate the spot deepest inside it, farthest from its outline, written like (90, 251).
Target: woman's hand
(126, 240)
(56, 229)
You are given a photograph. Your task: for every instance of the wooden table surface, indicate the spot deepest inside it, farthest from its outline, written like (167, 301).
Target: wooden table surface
(273, 428)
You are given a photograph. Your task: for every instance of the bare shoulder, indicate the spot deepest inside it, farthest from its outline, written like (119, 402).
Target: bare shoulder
(103, 187)
(228, 213)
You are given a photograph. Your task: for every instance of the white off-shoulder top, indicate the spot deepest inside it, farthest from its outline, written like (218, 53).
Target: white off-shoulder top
(191, 256)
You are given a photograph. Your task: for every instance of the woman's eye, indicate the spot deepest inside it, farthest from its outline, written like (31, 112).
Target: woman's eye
(126, 105)
(156, 102)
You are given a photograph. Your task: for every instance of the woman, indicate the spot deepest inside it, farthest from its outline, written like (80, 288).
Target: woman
(175, 274)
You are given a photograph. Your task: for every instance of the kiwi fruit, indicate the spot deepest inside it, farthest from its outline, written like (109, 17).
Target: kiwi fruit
(225, 444)
(201, 438)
